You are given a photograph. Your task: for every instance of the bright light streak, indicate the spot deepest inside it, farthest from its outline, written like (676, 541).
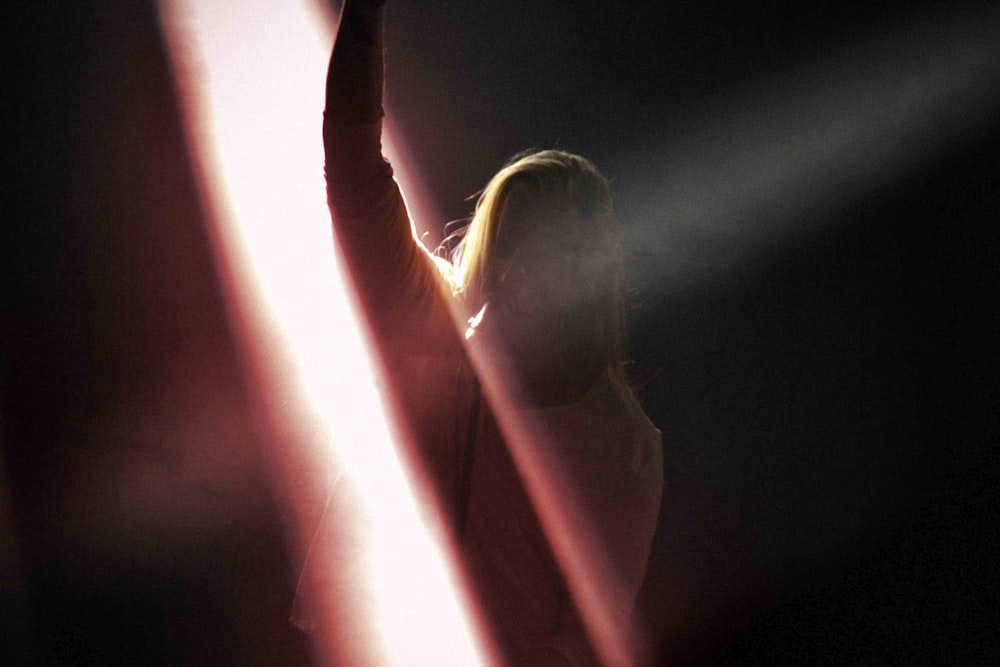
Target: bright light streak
(594, 583)
(250, 77)
(739, 178)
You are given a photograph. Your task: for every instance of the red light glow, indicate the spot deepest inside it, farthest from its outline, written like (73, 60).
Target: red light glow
(250, 77)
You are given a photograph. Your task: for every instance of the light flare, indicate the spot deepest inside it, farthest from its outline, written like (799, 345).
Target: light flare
(250, 78)
(739, 179)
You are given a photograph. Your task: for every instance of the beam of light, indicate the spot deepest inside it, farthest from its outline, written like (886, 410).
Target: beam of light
(741, 178)
(250, 77)
(599, 594)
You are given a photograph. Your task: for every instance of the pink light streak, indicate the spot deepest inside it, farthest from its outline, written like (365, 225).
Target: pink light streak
(250, 77)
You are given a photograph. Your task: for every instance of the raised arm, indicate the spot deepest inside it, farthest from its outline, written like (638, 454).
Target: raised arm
(399, 287)
(365, 203)
(401, 292)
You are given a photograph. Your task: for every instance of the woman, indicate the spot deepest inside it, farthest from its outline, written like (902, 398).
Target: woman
(502, 363)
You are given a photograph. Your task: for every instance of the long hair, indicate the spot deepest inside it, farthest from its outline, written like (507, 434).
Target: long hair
(571, 183)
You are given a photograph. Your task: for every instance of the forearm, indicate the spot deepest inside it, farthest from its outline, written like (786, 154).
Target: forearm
(364, 200)
(355, 77)
(351, 121)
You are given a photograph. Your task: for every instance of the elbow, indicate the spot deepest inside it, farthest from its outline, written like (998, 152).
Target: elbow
(353, 155)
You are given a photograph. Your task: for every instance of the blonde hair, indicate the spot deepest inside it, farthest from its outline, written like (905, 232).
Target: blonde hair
(571, 183)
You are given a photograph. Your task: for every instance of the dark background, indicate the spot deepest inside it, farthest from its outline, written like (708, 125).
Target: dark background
(824, 374)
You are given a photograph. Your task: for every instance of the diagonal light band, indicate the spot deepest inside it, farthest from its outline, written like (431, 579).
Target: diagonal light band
(250, 77)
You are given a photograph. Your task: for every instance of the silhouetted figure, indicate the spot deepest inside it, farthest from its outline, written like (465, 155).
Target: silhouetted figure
(538, 277)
